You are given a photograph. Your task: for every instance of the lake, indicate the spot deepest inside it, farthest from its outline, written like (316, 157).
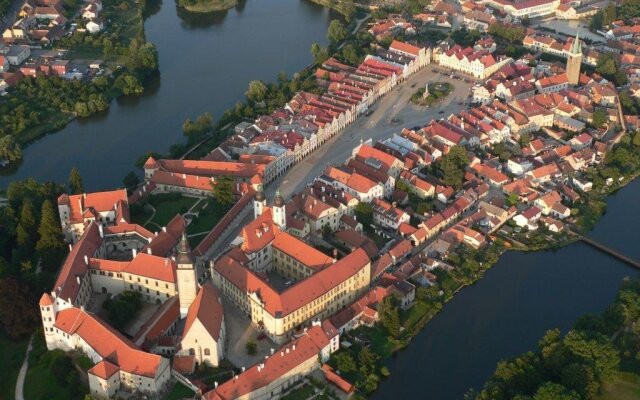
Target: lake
(512, 306)
(206, 63)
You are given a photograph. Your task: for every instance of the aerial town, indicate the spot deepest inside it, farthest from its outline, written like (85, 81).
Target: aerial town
(310, 251)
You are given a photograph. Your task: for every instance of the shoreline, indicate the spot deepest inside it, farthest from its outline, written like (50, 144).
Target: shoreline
(402, 344)
(206, 6)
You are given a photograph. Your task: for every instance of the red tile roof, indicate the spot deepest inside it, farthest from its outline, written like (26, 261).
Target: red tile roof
(104, 369)
(107, 342)
(207, 309)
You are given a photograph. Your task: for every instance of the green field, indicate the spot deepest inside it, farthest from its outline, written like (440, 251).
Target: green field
(623, 386)
(207, 217)
(301, 393)
(180, 392)
(167, 206)
(11, 357)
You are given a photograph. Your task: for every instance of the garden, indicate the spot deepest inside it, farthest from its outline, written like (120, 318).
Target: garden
(431, 94)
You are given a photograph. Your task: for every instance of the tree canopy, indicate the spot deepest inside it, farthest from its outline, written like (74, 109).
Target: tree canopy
(336, 32)
(75, 181)
(452, 166)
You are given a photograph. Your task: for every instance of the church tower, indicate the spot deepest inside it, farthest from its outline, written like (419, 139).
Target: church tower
(574, 61)
(279, 213)
(186, 274)
(259, 203)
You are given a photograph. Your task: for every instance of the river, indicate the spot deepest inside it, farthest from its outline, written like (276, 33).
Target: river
(510, 308)
(206, 63)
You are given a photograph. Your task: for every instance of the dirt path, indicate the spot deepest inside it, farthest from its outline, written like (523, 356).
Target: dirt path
(23, 373)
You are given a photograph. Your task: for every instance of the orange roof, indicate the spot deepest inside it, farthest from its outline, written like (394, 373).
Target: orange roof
(404, 47)
(67, 286)
(258, 233)
(184, 364)
(212, 168)
(207, 309)
(298, 295)
(387, 160)
(301, 251)
(337, 380)
(98, 202)
(46, 300)
(154, 267)
(107, 342)
(288, 357)
(104, 369)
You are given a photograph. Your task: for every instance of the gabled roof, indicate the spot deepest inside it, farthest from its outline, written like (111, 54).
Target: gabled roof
(104, 369)
(207, 309)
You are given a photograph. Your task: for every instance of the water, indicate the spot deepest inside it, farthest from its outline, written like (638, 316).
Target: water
(508, 311)
(206, 63)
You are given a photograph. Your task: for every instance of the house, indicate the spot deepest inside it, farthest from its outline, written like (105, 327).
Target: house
(528, 218)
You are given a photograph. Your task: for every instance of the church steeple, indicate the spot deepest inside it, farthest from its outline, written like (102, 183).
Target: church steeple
(184, 252)
(576, 46)
(186, 275)
(574, 61)
(279, 211)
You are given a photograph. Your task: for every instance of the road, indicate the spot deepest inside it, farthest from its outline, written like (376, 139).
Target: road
(376, 126)
(19, 394)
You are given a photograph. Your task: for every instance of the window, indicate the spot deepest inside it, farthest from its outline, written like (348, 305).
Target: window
(192, 352)
(207, 352)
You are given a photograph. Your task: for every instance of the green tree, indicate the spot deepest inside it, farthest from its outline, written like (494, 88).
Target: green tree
(257, 91)
(26, 230)
(75, 182)
(453, 165)
(123, 308)
(50, 245)
(364, 214)
(9, 149)
(251, 347)
(599, 118)
(131, 180)
(223, 191)
(389, 316)
(554, 391)
(336, 32)
(196, 130)
(18, 308)
(320, 54)
(512, 199)
(345, 363)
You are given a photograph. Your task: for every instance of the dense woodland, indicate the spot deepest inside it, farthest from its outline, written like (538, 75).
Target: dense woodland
(574, 366)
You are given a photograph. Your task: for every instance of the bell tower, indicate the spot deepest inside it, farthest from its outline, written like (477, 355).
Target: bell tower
(259, 203)
(186, 274)
(279, 213)
(574, 61)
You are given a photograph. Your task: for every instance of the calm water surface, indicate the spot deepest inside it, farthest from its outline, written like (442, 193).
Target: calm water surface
(206, 63)
(508, 310)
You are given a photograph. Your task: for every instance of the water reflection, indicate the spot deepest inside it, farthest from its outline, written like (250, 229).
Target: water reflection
(196, 20)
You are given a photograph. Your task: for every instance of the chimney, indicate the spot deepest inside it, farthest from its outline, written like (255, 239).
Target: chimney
(287, 350)
(294, 346)
(272, 350)
(78, 279)
(149, 250)
(86, 260)
(243, 369)
(101, 229)
(282, 354)
(173, 258)
(70, 247)
(166, 261)
(215, 384)
(134, 251)
(164, 229)
(81, 308)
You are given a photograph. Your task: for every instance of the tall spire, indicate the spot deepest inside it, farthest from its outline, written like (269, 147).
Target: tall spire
(278, 201)
(576, 46)
(184, 250)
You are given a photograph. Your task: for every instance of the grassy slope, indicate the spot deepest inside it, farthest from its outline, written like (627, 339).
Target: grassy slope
(11, 357)
(623, 386)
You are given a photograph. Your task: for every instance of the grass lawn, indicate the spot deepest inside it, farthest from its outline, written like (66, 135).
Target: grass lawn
(207, 218)
(84, 362)
(139, 215)
(167, 206)
(11, 357)
(40, 384)
(179, 392)
(412, 316)
(302, 393)
(623, 386)
(381, 344)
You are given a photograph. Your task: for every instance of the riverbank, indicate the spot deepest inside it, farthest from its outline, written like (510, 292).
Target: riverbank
(38, 106)
(469, 267)
(206, 6)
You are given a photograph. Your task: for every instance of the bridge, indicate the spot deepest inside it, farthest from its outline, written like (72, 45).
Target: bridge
(608, 250)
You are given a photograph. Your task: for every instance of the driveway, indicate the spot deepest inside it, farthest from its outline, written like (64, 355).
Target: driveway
(19, 394)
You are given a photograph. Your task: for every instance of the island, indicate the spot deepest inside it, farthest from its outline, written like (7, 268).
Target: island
(206, 6)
